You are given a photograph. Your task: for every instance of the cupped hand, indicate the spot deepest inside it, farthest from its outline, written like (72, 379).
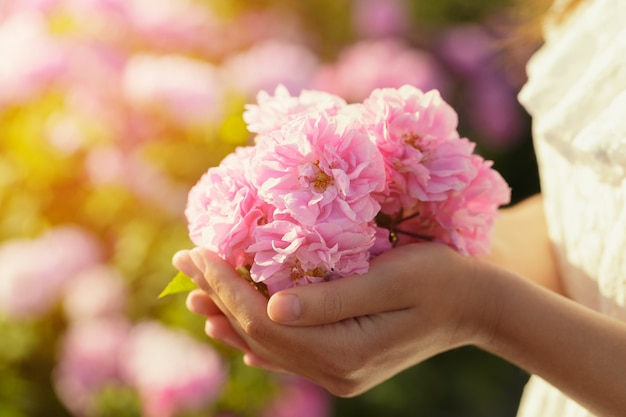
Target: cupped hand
(350, 334)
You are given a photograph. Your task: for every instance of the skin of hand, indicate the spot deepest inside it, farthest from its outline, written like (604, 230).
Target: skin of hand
(416, 301)
(520, 244)
(361, 330)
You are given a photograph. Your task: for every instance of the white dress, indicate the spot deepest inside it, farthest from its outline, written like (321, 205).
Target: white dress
(576, 94)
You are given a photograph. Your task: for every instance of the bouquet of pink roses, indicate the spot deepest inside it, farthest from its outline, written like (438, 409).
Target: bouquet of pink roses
(329, 185)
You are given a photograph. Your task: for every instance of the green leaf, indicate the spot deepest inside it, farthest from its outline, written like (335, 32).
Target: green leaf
(180, 283)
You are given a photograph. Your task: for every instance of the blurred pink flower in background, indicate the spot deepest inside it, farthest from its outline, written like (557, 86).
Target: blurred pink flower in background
(380, 18)
(145, 23)
(105, 165)
(64, 131)
(368, 65)
(153, 185)
(172, 371)
(175, 86)
(36, 272)
(92, 95)
(88, 362)
(495, 114)
(300, 398)
(32, 59)
(9, 7)
(470, 52)
(108, 165)
(101, 20)
(195, 25)
(173, 26)
(98, 292)
(261, 25)
(466, 49)
(267, 64)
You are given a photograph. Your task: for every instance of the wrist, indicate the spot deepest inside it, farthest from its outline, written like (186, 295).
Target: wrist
(487, 300)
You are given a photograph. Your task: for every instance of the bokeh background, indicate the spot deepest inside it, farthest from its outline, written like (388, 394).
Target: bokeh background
(110, 110)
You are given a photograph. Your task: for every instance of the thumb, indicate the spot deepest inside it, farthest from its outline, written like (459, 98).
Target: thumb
(391, 284)
(348, 297)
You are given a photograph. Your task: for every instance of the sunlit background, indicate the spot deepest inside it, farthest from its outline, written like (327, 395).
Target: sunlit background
(110, 110)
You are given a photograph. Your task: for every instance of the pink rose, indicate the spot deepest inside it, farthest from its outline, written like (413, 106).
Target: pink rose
(416, 134)
(319, 168)
(224, 209)
(287, 254)
(465, 219)
(271, 112)
(469, 214)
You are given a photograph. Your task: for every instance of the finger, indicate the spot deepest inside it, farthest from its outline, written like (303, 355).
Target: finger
(233, 294)
(219, 327)
(183, 262)
(241, 318)
(202, 302)
(358, 295)
(199, 302)
(255, 361)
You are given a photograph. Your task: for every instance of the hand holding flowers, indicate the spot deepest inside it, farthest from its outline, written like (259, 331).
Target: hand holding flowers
(349, 334)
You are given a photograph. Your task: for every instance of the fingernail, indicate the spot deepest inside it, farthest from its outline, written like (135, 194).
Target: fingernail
(198, 259)
(284, 308)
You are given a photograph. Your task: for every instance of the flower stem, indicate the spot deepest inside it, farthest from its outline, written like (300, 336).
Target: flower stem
(412, 216)
(415, 235)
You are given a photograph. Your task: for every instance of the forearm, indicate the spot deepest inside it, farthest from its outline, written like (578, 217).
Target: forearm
(580, 351)
(521, 244)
